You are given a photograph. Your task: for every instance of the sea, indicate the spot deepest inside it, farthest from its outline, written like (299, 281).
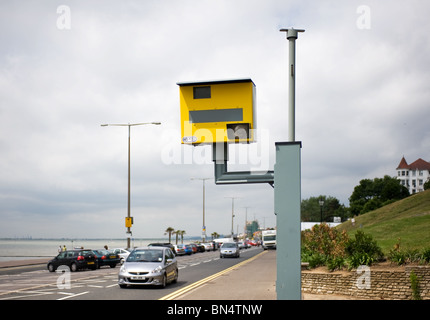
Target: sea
(24, 249)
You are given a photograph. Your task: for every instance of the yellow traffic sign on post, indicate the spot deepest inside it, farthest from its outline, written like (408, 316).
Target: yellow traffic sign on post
(128, 222)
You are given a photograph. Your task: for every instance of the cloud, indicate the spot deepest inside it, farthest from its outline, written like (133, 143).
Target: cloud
(362, 97)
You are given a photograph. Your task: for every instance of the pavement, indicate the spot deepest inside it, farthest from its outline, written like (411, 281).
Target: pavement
(21, 263)
(253, 279)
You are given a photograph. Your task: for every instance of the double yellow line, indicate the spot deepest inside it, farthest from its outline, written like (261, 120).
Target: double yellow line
(194, 285)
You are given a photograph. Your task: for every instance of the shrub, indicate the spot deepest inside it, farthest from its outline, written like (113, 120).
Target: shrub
(324, 240)
(358, 259)
(425, 255)
(362, 250)
(397, 257)
(327, 246)
(400, 256)
(363, 243)
(415, 286)
(335, 263)
(316, 260)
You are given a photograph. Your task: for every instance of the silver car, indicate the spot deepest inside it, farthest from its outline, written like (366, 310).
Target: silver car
(229, 249)
(149, 266)
(123, 254)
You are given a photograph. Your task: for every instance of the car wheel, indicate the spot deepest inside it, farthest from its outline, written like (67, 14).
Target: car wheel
(122, 286)
(113, 265)
(175, 279)
(73, 267)
(51, 267)
(164, 281)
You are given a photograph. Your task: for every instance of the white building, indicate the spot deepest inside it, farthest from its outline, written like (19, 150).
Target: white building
(414, 175)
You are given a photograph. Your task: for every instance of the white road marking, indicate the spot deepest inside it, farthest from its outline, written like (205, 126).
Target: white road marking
(72, 296)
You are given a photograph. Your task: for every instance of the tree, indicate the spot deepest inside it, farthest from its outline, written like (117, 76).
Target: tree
(181, 233)
(169, 231)
(177, 233)
(311, 209)
(373, 194)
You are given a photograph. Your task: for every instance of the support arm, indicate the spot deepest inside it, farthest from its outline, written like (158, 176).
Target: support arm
(222, 176)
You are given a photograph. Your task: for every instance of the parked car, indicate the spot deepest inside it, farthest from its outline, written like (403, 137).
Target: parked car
(106, 258)
(229, 249)
(193, 247)
(180, 249)
(74, 259)
(165, 244)
(149, 266)
(208, 246)
(188, 249)
(200, 247)
(123, 254)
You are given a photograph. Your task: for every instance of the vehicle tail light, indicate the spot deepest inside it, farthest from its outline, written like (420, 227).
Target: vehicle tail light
(103, 257)
(81, 258)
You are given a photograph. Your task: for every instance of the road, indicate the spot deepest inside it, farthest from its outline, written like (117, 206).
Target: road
(37, 283)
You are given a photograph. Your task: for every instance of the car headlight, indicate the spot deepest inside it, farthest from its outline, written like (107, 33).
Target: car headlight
(157, 270)
(123, 269)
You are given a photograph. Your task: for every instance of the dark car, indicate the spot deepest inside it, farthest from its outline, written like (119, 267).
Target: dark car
(74, 259)
(200, 247)
(106, 258)
(164, 244)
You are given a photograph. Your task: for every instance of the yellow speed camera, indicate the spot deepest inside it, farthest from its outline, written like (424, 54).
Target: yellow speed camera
(217, 111)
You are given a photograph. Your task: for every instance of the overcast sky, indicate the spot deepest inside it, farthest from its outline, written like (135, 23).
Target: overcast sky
(66, 67)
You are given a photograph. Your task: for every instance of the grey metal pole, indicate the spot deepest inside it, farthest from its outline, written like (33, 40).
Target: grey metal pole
(128, 188)
(204, 196)
(287, 176)
(232, 217)
(204, 225)
(232, 214)
(292, 36)
(128, 191)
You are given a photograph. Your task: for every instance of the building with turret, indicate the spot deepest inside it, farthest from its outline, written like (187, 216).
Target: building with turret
(414, 175)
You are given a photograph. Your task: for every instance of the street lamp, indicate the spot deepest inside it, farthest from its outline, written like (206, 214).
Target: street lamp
(129, 125)
(245, 231)
(321, 202)
(203, 226)
(232, 214)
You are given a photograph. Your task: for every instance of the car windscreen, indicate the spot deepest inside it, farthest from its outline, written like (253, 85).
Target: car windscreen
(145, 255)
(269, 238)
(229, 245)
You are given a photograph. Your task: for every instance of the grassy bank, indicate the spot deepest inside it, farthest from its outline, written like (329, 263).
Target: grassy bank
(407, 220)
